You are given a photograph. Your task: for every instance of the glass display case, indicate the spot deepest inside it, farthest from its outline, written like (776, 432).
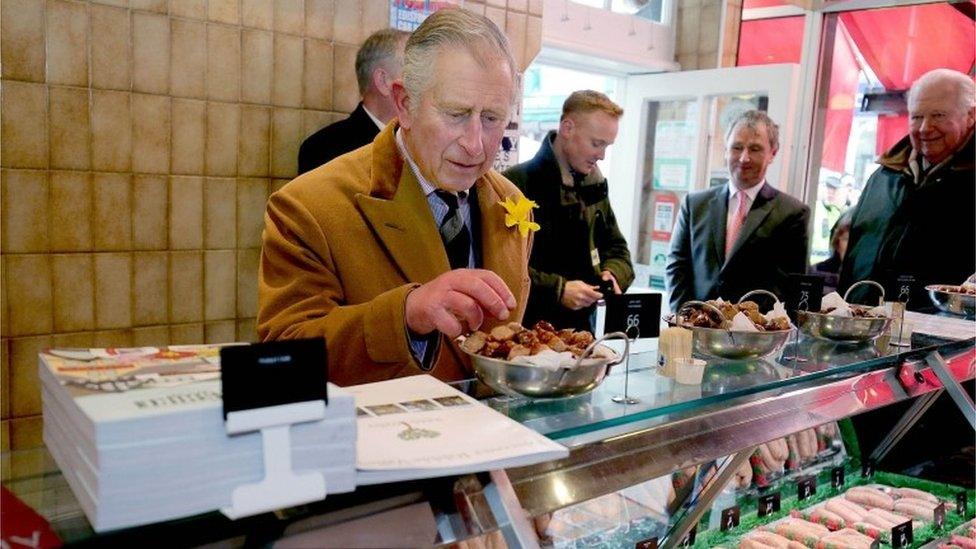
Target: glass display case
(606, 485)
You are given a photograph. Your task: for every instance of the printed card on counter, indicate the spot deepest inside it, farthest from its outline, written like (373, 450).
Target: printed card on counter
(419, 427)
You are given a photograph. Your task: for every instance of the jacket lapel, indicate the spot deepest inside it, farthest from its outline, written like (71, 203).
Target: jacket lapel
(715, 224)
(757, 214)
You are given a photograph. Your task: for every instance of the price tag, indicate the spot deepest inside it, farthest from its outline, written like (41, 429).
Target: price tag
(269, 374)
(768, 504)
(837, 478)
(938, 515)
(637, 315)
(961, 503)
(690, 538)
(805, 292)
(903, 286)
(901, 535)
(806, 487)
(867, 468)
(649, 543)
(730, 518)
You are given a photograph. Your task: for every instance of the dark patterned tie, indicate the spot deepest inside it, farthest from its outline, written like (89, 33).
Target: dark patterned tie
(454, 233)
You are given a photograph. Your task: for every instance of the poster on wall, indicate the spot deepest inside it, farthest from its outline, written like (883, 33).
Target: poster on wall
(675, 145)
(409, 14)
(665, 209)
(659, 257)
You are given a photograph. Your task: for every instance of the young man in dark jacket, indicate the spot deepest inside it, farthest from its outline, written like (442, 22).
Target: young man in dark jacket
(579, 245)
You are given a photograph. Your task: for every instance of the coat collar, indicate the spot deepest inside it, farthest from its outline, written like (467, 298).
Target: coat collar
(901, 157)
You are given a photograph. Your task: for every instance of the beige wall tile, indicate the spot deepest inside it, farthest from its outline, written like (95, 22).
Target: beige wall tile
(319, 15)
(220, 212)
(25, 387)
(287, 82)
(312, 121)
(247, 330)
(189, 136)
(67, 43)
(496, 3)
(224, 11)
(26, 433)
(185, 287)
(70, 137)
(515, 30)
(111, 68)
(112, 224)
(289, 15)
(152, 336)
(25, 216)
(286, 134)
(23, 126)
(112, 338)
(156, 6)
(113, 290)
(76, 339)
(194, 9)
(318, 75)
(29, 294)
(533, 38)
(256, 70)
(376, 16)
(71, 212)
(186, 334)
(497, 15)
(220, 284)
(185, 213)
(255, 136)
(5, 442)
(223, 123)
(5, 382)
(475, 7)
(347, 21)
(22, 40)
(224, 331)
(150, 288)
(4, 314)
(518, 5)
(111, 131)
(257, 13)
(252, 197)
(223, 62)
(150, 212)
(277, 184)
(150, 133)
(345, 92)
(150, 52)
(74, 292)
(247, 282)
(535, 7)
(188, 69)
(688, 61)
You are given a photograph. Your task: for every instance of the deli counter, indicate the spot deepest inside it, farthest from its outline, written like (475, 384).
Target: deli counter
(665, 428)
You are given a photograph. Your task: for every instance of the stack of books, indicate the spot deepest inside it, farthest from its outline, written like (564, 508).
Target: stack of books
(139, 434)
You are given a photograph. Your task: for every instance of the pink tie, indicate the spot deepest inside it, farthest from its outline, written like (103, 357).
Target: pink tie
(732, 233)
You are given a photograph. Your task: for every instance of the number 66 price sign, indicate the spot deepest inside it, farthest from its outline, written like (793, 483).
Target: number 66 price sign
(638, 316)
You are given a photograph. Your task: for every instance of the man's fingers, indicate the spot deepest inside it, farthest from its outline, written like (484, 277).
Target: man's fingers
(487, 296)
(446, 323)
(465, 309)
(498, 285)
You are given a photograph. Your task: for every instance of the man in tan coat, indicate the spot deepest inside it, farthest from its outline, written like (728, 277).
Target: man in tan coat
(394, 249)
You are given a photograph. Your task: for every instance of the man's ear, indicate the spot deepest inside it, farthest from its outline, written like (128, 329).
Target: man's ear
(402, 103)
(382, 81)
(566, 126)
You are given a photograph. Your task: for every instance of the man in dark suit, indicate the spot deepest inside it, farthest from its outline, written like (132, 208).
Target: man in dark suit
(379, 62)
(738, 237)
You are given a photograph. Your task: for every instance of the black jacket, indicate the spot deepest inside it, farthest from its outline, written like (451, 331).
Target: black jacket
(578, 227)
(925, 229)
(337, 139)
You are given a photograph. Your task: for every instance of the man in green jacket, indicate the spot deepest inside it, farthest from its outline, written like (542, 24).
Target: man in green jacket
(579, 246)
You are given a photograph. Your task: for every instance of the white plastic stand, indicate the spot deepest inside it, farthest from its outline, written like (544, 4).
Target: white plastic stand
(281, 487)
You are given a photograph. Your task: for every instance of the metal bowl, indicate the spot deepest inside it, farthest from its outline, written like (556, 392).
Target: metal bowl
(841, 328)
(950, 300)
(541, 382)
(719, 343)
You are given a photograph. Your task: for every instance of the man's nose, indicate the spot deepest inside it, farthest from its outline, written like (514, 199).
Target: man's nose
(926, 125)
(744, 157)
(470, 139)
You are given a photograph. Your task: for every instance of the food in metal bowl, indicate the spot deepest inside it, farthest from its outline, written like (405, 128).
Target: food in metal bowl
(961, 290)
(857, 311)
(514, 340)
(707, 317)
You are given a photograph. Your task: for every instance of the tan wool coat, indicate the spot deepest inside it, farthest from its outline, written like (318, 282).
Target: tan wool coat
(345, 243)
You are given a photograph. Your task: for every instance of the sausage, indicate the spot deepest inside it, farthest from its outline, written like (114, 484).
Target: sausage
(867, 529)
(827, 518)
(915, 510)
(801, 530)
(844, 512)
(861, 511)
(913, 493)
(920, 502)
(850, 538)
(870, 498)
(793, 454)
(875, 520)
(769, 538)
(749, 543)
(894, 518)
(779, 449)
(771, 463)
(965, 543)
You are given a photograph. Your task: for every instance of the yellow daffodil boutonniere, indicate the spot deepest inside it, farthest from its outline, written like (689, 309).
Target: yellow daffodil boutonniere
(517, 214)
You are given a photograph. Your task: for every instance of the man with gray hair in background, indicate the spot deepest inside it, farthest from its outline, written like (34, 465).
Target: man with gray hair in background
(393, 250)
(379, 63)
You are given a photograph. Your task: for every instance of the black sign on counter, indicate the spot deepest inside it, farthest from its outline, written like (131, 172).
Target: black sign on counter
(875, 544)
(900, 288)
(901, 535)
(637, 315)
(938, 515)
(730, 518)
(806, 487)
(837, 478)
(271, 374)
(768, 504)
(649, 543)
(961, 503)
(805, 292)
(867, 468)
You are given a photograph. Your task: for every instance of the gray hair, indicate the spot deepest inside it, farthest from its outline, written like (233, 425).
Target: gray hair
(963, 87)
(752, 120)
(457, 28)
(381, 46)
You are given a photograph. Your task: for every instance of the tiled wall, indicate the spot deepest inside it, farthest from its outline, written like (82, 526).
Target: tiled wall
(699, 33)
(141, 139)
